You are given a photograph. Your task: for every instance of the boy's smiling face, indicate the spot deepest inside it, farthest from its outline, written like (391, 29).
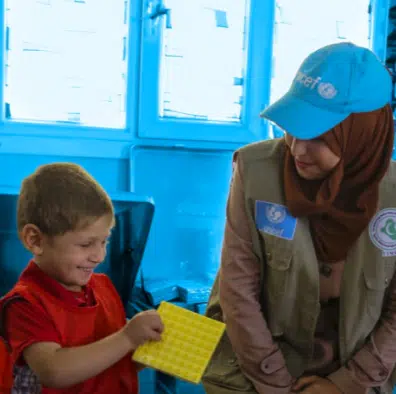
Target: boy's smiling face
(70, 258)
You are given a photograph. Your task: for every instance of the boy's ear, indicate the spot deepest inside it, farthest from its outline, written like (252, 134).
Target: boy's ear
(32, 239)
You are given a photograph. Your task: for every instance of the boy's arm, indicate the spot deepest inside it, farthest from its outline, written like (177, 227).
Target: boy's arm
(58, 367)
(31, 334)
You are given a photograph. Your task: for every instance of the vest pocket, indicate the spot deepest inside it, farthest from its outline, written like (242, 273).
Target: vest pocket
(224, 371)
(376, 280)
(278, 258)
(278, 251)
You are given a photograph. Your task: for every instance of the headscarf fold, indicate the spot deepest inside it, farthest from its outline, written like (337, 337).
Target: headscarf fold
(340, 207)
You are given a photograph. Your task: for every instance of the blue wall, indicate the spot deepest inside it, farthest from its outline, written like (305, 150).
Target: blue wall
(184, 166)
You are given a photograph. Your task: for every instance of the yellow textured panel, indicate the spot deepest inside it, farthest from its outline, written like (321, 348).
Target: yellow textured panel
(187, 344)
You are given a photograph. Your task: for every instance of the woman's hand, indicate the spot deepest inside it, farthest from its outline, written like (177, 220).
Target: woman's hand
(315, 385)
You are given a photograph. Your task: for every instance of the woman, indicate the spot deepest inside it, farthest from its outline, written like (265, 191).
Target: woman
(306, 286)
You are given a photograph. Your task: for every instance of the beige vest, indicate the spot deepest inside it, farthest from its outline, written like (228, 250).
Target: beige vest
(290, 270)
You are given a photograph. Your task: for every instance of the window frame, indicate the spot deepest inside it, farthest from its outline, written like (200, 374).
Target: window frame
(379, 27)
(256, 92)
(47, 129)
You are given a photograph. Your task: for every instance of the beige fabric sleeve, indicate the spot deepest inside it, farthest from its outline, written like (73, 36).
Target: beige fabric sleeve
(260, 358)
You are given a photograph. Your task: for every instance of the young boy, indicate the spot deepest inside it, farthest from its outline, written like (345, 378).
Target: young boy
(65, 325)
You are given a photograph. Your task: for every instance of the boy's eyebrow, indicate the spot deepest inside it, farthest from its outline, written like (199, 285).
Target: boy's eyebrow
(94, 237)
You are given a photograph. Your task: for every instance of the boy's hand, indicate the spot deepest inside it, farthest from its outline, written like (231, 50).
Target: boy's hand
(143, 327)
(315, 385)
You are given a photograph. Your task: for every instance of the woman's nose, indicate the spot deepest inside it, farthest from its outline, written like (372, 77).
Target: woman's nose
(298, 147)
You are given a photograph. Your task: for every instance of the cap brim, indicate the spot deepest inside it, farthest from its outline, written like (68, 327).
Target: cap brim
(301, 119)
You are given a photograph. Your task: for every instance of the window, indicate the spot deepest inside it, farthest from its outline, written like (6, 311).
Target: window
(66, 62)
(203, 60)
(205, 73)
(306, 25)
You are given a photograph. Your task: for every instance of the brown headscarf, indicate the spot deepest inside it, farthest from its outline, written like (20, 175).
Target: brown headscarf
(341, 206)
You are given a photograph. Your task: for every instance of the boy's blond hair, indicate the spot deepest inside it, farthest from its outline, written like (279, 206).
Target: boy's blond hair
(61, 197)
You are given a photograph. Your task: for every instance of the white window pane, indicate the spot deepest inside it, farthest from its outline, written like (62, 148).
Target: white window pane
(203, 60)
(306, 25)
(66, 61)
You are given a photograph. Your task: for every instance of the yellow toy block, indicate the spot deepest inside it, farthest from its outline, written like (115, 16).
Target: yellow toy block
(187, 343)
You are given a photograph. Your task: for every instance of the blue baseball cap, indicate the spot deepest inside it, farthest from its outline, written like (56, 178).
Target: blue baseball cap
(332, 83)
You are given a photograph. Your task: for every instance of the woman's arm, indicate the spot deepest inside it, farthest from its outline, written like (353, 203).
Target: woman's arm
(373, 364)
(239, 281)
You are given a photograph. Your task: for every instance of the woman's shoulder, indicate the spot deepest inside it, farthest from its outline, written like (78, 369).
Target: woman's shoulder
(262, 150)
(388, 187)
(390, 176)
(391, 173)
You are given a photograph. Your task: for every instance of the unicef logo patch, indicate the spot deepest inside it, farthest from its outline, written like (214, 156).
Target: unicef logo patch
(275, 220)
(327, 90)
(275, 213)
(382, 231)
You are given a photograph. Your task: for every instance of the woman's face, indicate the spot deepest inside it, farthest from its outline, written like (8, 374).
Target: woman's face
(313, 158)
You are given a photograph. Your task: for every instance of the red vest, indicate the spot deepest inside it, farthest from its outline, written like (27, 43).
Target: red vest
(80, 326)
(5, 369)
